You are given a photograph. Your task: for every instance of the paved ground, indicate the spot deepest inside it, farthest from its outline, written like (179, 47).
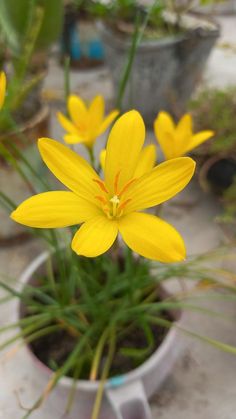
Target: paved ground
(202, 384)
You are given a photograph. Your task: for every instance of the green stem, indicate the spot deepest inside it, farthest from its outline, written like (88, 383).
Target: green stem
(98, 354)
(67, 78)
(7, 202)
(91, 156)
(105, 373)
(136, 39)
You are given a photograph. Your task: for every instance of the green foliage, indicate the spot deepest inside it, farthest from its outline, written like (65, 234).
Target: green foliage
(216, 109)
(210, 2)
(25, 26)
(126, 10)
(117, 11)
(20, 84)
(105, 298)
(17, 16)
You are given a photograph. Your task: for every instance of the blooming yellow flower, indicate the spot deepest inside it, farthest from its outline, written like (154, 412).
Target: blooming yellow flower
(177, 140)
(86, 123)
(2, 88)
(146, 162)
(111, 206)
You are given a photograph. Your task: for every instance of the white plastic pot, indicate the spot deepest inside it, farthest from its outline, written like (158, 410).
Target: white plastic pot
(126, 396)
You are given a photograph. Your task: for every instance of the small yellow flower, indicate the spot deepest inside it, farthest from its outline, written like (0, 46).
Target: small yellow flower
(85, 123)
(113, 205)
(177, 140)
(3, 82)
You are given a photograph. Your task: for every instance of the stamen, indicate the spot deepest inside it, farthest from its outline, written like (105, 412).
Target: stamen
(106, 209)
(126, 187)
(116, 183)
(101, 199)
(101, 184)
(122, 206)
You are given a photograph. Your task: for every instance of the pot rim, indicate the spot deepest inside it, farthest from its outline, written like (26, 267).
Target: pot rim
(113, 382)
(122, 43)
(42, 113)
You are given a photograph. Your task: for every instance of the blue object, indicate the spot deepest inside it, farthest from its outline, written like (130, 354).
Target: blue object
(75, 48)
(96, 50)
(117, 381)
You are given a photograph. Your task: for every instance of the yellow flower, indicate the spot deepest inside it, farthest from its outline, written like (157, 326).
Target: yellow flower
(111, 206)
(86, 123)
(2, 88)
(146, 162)
(177, 140)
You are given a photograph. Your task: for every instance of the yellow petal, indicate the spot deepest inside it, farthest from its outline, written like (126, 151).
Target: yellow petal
(103, 159)
(185, 126)
(107, 121)
(96, 111)
(54, 209)
(147, 160)
(70, 168)
(198, 139)
(78, 111)
(165, 122)
(95, 236)
(123, 148)
(74, 139)
(160, 184)
(3, 82)
(164, 129)
(67, 124)
(152, 237)
(184, 132)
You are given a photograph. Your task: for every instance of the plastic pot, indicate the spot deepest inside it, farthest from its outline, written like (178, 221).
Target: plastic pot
(126, 396)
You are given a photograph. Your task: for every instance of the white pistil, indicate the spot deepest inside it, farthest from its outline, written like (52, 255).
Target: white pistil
(115, 202)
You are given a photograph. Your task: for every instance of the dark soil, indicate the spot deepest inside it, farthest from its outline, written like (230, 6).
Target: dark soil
(54, 349)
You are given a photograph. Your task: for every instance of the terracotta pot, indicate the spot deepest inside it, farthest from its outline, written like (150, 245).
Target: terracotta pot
(126, 395)
(30, 131)
(10, 182)
(165, 71)
(217, 173)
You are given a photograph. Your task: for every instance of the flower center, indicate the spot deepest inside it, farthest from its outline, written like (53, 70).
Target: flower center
(114, 206)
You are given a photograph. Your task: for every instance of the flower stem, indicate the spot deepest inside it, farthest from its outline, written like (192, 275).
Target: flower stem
(91, 156)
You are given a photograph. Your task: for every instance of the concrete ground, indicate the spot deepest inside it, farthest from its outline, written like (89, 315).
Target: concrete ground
(202, 384)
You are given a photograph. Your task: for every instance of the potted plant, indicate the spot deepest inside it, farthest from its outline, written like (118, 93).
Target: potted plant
(217, 159)
(103, 303)
(109, 212)
(17, 17)
(171, 49)
(25, 30)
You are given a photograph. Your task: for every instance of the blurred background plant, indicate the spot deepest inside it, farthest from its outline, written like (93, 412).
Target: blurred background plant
(27, 30)
(217, 157)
